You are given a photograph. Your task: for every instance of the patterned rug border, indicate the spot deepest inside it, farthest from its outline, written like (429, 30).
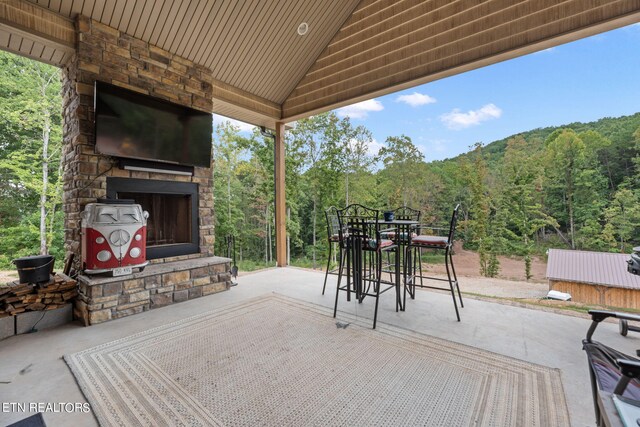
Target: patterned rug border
(407, 335)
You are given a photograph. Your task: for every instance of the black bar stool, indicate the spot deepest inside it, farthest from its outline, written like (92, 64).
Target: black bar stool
(435, 242)
(364, 251)
(335, 238)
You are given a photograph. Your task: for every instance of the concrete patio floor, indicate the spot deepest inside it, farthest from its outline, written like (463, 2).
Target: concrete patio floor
(33, 367)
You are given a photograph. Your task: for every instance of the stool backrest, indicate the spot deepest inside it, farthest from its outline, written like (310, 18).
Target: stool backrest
(407, 213)
(333, 224)
(452, 224)
(360, 222)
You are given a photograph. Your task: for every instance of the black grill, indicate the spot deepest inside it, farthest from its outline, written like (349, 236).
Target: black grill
(633, 266)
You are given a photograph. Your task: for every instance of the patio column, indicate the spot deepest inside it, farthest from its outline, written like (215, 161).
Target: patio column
(281, 205)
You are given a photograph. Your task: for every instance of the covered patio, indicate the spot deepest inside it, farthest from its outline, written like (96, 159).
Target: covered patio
(31, 374)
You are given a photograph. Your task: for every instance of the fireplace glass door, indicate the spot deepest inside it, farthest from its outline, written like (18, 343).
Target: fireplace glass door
(169, 220)
(172, 226)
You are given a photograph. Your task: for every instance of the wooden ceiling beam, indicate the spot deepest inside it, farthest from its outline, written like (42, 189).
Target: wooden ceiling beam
(236, 99)
(232, 111)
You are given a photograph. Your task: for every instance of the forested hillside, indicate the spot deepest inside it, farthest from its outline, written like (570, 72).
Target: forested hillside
(618, 130)
(575, 186)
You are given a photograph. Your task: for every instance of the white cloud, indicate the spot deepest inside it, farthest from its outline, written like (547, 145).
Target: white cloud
(244, 127)
(416, 99)
(360, 110)
(458, 120)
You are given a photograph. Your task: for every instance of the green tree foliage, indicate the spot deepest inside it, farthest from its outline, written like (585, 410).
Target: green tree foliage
(316, 146)
(636, 159)
(334, 169)
(401, 160)
(623, 218)
(357, 164)
(30, 144)
(576, 184)
(486, 222)
(228, 187)
(564, 156)
(521, 197)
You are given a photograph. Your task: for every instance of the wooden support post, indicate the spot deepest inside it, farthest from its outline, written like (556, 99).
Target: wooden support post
(281, 205)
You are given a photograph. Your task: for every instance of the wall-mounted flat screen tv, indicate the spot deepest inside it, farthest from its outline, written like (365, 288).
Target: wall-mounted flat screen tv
(137, 126)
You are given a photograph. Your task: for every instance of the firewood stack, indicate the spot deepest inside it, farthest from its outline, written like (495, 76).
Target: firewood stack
(18, 297)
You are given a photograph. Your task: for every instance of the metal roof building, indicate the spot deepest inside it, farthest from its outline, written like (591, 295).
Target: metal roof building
(597, 268)
(594, 277)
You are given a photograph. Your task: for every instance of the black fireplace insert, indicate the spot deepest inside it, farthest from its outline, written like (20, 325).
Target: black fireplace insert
(172, 227)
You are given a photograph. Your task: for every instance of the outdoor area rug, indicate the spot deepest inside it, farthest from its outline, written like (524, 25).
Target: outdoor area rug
(277, 361)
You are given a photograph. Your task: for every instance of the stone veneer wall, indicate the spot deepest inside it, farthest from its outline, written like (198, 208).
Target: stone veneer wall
(107, 298)
(105, 54)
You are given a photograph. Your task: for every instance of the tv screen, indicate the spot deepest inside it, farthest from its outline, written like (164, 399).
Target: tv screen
(133, 125)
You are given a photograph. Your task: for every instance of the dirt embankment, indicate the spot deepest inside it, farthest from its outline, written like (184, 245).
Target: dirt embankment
(510, 283)
(467, 264)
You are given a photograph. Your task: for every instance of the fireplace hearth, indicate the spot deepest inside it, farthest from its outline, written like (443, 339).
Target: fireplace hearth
(172, 227)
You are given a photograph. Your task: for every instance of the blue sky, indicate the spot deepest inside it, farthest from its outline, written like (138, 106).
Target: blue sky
(579, 81)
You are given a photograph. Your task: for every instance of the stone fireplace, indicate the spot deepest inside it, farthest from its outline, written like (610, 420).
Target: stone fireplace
(180, 203)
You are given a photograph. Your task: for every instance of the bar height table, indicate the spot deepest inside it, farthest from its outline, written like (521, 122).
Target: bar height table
(404, 228)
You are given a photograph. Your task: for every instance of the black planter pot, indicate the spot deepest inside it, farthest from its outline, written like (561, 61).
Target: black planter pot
(34, 269)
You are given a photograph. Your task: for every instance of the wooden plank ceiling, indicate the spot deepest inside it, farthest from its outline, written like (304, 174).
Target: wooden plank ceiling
(251, 46)
(389, 44)
(354, 50)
